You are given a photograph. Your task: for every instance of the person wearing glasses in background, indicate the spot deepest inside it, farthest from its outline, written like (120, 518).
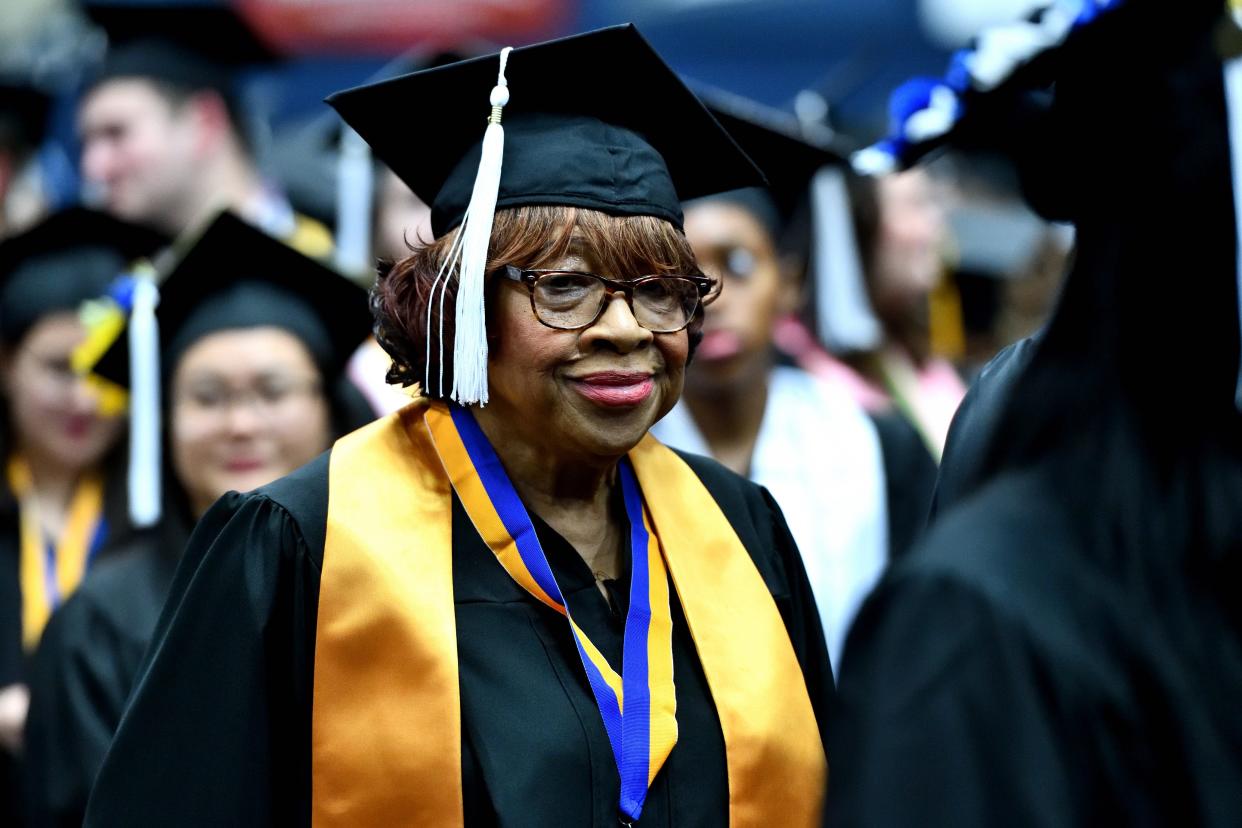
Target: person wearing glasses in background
(59, 512)
(527, 612)
(251, 361)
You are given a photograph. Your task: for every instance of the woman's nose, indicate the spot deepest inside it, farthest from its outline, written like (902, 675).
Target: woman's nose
(617, 327)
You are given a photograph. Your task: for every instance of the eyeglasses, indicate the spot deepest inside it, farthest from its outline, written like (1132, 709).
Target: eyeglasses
(270, 399)
(570, 301)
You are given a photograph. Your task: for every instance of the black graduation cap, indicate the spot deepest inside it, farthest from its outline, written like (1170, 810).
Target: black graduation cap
(236, 276)
(596, 120)
(776, 142)
(23, 114)
(233, 276)
(191, 46)
(67, 258)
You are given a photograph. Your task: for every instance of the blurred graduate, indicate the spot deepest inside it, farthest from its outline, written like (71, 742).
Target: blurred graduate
(806, 440)
(1065, 648)
(253, 342)
(61, 509)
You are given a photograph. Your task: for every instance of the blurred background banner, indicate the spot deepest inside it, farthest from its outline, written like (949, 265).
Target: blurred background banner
(389, 27)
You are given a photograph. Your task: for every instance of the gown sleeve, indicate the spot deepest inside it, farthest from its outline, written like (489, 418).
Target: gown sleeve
(945, 716)
(78, 688)
(217, 731)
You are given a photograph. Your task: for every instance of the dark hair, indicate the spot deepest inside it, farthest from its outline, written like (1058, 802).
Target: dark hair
(525, 237)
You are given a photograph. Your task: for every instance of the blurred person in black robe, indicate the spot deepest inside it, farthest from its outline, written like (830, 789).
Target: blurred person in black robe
(249, 364)
(61, 508)
(1064, 648)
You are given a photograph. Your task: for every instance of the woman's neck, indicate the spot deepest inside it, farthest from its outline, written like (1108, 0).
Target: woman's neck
(572, 494)
(729, 418)
(52, 487)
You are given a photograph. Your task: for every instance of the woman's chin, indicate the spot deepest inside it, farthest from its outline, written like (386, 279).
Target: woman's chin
(610, 430)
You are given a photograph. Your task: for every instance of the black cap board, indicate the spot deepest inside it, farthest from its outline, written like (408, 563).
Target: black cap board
(23, 114)
(596, 120)
(67, 258)
(775, 141)
(236, 276)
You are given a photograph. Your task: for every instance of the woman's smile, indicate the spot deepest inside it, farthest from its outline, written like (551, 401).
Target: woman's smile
(614, 388)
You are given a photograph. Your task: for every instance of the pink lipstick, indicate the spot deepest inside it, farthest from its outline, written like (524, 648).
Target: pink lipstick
(615, 388)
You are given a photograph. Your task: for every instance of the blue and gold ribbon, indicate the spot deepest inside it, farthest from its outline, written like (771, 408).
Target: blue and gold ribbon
(639, 706)
(51, 570)
(387, 725)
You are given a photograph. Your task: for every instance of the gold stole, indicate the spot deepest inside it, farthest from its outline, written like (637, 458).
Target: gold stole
(73, 550)
(386, 722)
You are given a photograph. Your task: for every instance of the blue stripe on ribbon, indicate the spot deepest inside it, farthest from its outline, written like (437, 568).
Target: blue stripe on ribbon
(97, 541)
(636, 724)
(606, 701)
(49, 576)
(506, 501)
(630, 734)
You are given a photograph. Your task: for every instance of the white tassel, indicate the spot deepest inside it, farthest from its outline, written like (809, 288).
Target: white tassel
(470, 342)
(144, 424)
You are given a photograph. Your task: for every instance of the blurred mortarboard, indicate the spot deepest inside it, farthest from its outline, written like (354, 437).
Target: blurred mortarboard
(23, 114)
(233, 276)
(776, 142)
(236, 276)
(191, 46)
(327, 171)
(596, 120)
(64, 260)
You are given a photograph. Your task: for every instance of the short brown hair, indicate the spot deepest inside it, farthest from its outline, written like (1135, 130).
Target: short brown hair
(525, 237)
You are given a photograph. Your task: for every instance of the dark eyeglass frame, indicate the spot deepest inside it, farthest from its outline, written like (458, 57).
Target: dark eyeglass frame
(611, 287)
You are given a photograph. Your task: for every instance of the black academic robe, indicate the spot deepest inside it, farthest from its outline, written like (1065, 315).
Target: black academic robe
(999, 676)
(909, 479)
(218, 731)
(14, 661)
(977, 419)
(87, 662)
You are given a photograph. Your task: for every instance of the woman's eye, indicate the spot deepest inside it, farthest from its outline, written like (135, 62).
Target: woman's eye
(562, 283)
(740, 262)
(272, 394)
(208, 397)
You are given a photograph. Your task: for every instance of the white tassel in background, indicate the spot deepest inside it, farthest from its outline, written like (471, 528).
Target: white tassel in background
(144, 402)
(470, 341)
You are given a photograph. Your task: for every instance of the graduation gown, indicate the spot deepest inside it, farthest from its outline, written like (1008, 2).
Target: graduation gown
(225, 738)
(909, 479)
(14, 661)
(87, 662)
(977, 418)
(1000, 676)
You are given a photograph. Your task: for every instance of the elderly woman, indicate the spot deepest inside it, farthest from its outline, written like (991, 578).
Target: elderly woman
(527, 612)
(251, 373)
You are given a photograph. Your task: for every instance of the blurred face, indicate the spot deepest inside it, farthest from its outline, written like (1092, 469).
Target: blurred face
(247, 407)
(591, 393)
(908, 243)
(733, 246)
(55, 414)
(138, 149)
